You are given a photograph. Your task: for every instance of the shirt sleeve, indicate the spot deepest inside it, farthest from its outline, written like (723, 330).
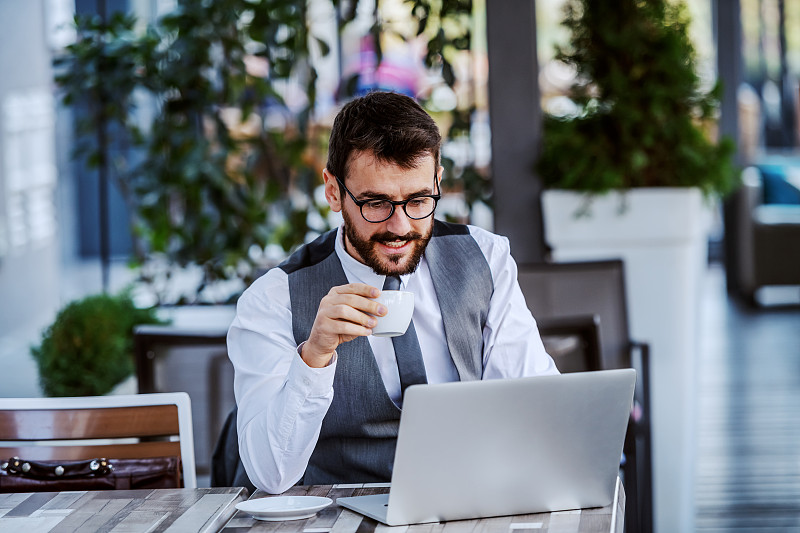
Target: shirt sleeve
(512, 345)
(281, 400)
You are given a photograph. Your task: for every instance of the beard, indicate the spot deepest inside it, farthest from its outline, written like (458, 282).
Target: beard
(393, 265)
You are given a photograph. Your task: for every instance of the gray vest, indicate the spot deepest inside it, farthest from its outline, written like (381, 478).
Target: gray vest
(359, 431)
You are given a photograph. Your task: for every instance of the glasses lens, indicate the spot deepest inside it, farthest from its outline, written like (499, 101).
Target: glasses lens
(376, 211)
(420, 207)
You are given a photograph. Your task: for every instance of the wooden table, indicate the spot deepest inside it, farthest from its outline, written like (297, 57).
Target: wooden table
(335, 519)
(203, 510)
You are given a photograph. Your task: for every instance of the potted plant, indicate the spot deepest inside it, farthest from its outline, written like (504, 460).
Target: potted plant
(88, 349)
(642, 123)
(626, 176)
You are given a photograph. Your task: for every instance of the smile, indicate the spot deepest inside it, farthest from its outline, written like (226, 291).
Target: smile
(395, 246)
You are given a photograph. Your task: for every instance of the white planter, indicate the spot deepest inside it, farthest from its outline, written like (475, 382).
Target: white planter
(661, 236)
(128, 385)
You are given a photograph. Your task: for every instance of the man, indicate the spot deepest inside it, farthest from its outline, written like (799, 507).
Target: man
(319, 398)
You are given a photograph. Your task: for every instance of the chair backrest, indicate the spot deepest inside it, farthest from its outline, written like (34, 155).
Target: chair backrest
(573, 342)
(554, 290)
(117, 426)
(227, 469)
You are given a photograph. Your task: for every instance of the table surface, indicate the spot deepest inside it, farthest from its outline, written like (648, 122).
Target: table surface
(335, 519)
(160, 510)
(209, 510)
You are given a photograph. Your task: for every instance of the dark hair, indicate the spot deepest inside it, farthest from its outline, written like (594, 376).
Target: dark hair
(392, 127)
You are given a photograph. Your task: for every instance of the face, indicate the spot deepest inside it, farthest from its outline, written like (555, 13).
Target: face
(394, 246)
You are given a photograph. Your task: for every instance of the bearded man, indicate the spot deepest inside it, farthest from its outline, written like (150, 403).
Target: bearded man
(319, 398)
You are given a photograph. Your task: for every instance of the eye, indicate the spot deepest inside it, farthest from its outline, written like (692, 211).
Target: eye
(377, 205)
(416, 202)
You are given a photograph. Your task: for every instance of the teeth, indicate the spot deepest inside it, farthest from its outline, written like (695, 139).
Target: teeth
(395, 244)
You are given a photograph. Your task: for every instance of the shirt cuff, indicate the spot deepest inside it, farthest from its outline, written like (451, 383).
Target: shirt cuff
(314, 381)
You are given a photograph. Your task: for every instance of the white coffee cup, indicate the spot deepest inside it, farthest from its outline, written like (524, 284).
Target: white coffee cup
(400, 306)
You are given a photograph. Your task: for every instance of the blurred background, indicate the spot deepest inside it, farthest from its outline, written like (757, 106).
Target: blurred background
(164, 153)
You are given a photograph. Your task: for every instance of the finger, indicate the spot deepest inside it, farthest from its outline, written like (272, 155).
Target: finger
(328, 333)
(347, 313)
(338, 328)
(360, 289)
(350, 331)
(362, 304)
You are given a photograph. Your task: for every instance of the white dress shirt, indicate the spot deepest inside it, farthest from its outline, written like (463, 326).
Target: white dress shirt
(282, 401)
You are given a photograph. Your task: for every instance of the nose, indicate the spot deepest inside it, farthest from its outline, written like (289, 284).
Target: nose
(399, 223)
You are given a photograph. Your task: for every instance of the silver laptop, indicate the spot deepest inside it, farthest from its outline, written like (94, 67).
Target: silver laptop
(502, 447)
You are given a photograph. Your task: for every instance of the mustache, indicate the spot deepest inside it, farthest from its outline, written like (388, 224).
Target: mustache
(389, 237)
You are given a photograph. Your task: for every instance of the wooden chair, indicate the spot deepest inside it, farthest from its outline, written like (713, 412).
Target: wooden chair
(557, 291)
(120, 427)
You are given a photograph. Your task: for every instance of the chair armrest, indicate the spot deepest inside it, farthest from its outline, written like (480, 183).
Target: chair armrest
(639, 427)
(640, 360)
(744, 202)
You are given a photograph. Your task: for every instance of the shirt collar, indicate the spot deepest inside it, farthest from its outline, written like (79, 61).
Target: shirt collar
(358, 271)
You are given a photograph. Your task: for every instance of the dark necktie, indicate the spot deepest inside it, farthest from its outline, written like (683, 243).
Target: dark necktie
(406, 348)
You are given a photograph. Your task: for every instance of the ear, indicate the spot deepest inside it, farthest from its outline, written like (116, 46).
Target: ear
(439, 175)
(332, 191)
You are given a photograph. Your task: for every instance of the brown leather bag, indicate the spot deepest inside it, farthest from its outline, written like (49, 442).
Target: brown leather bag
(19, 475)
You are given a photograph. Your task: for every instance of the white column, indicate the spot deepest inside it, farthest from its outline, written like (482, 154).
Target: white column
(662, 239)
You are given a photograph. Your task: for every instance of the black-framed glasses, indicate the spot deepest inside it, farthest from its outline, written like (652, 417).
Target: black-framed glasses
(416, 207)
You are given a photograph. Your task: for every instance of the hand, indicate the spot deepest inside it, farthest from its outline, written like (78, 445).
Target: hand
(343, 314)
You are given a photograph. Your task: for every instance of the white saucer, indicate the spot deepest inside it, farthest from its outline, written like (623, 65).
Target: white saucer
(280, 508)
